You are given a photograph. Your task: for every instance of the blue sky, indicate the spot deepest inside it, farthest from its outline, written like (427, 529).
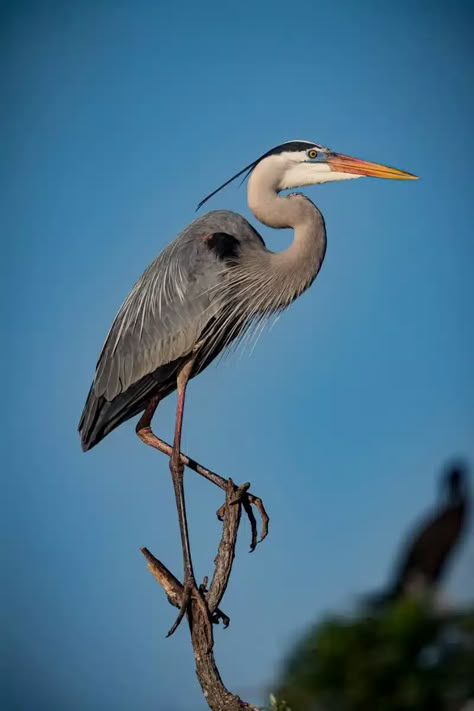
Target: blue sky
(118, 117)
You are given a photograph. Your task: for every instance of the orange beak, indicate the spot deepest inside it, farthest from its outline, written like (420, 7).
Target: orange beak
(347, 164)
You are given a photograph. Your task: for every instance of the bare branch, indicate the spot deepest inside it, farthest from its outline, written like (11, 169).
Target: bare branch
(226, 552)
(216, 694)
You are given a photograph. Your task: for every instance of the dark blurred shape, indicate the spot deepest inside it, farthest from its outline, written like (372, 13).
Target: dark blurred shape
(402, 653)
(426, 554)
(407, 658)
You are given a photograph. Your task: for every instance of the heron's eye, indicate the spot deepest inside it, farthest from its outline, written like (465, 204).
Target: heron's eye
(312, 153)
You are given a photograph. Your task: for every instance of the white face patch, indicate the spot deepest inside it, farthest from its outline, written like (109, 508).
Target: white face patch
(297, 174)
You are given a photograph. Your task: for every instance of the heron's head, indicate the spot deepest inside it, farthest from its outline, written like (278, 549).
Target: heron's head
(454, 481)
(295, 164)
(300, 163)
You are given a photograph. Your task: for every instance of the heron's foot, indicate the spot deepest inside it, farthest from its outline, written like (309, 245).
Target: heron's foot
(219, 616)
(216, 616)
(191, 593)
(247, 500)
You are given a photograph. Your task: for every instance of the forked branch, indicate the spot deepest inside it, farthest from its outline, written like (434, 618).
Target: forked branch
(216, 694)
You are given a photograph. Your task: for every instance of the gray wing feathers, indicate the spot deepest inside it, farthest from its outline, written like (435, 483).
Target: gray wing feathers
(160, 323)
(163, 316)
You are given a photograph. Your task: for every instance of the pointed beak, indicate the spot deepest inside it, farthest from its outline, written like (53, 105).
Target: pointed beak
(346, 164)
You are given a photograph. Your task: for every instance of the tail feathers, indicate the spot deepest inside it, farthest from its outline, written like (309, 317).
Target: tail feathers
(88, 419)
(101, 416)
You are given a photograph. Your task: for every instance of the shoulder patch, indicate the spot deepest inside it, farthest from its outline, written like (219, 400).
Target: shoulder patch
(224, 246)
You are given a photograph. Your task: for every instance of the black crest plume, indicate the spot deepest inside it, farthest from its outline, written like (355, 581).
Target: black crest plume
(283, 147)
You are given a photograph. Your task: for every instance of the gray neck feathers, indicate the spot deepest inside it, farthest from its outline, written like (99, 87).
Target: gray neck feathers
(289, 272)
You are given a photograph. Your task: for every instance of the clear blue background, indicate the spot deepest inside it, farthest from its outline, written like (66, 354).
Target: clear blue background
(117, 117)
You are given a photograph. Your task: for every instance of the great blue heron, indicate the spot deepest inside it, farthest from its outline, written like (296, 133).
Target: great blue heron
(204, 291)
(427, 552)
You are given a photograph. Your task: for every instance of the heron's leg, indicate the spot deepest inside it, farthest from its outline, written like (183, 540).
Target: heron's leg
(144, 431)
(190, 588)
(177, 471)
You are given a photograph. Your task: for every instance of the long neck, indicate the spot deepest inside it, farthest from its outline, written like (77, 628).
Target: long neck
(294, 268)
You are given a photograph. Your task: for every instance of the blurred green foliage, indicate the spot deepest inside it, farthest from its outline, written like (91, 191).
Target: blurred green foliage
(405, 658)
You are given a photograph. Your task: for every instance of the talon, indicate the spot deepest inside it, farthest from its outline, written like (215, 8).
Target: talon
(218, 615)
(247, 501)
(258, 503)
(225, 619)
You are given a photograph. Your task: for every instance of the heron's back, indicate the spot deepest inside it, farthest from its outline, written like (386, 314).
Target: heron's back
(432, 547)
(166, 315)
